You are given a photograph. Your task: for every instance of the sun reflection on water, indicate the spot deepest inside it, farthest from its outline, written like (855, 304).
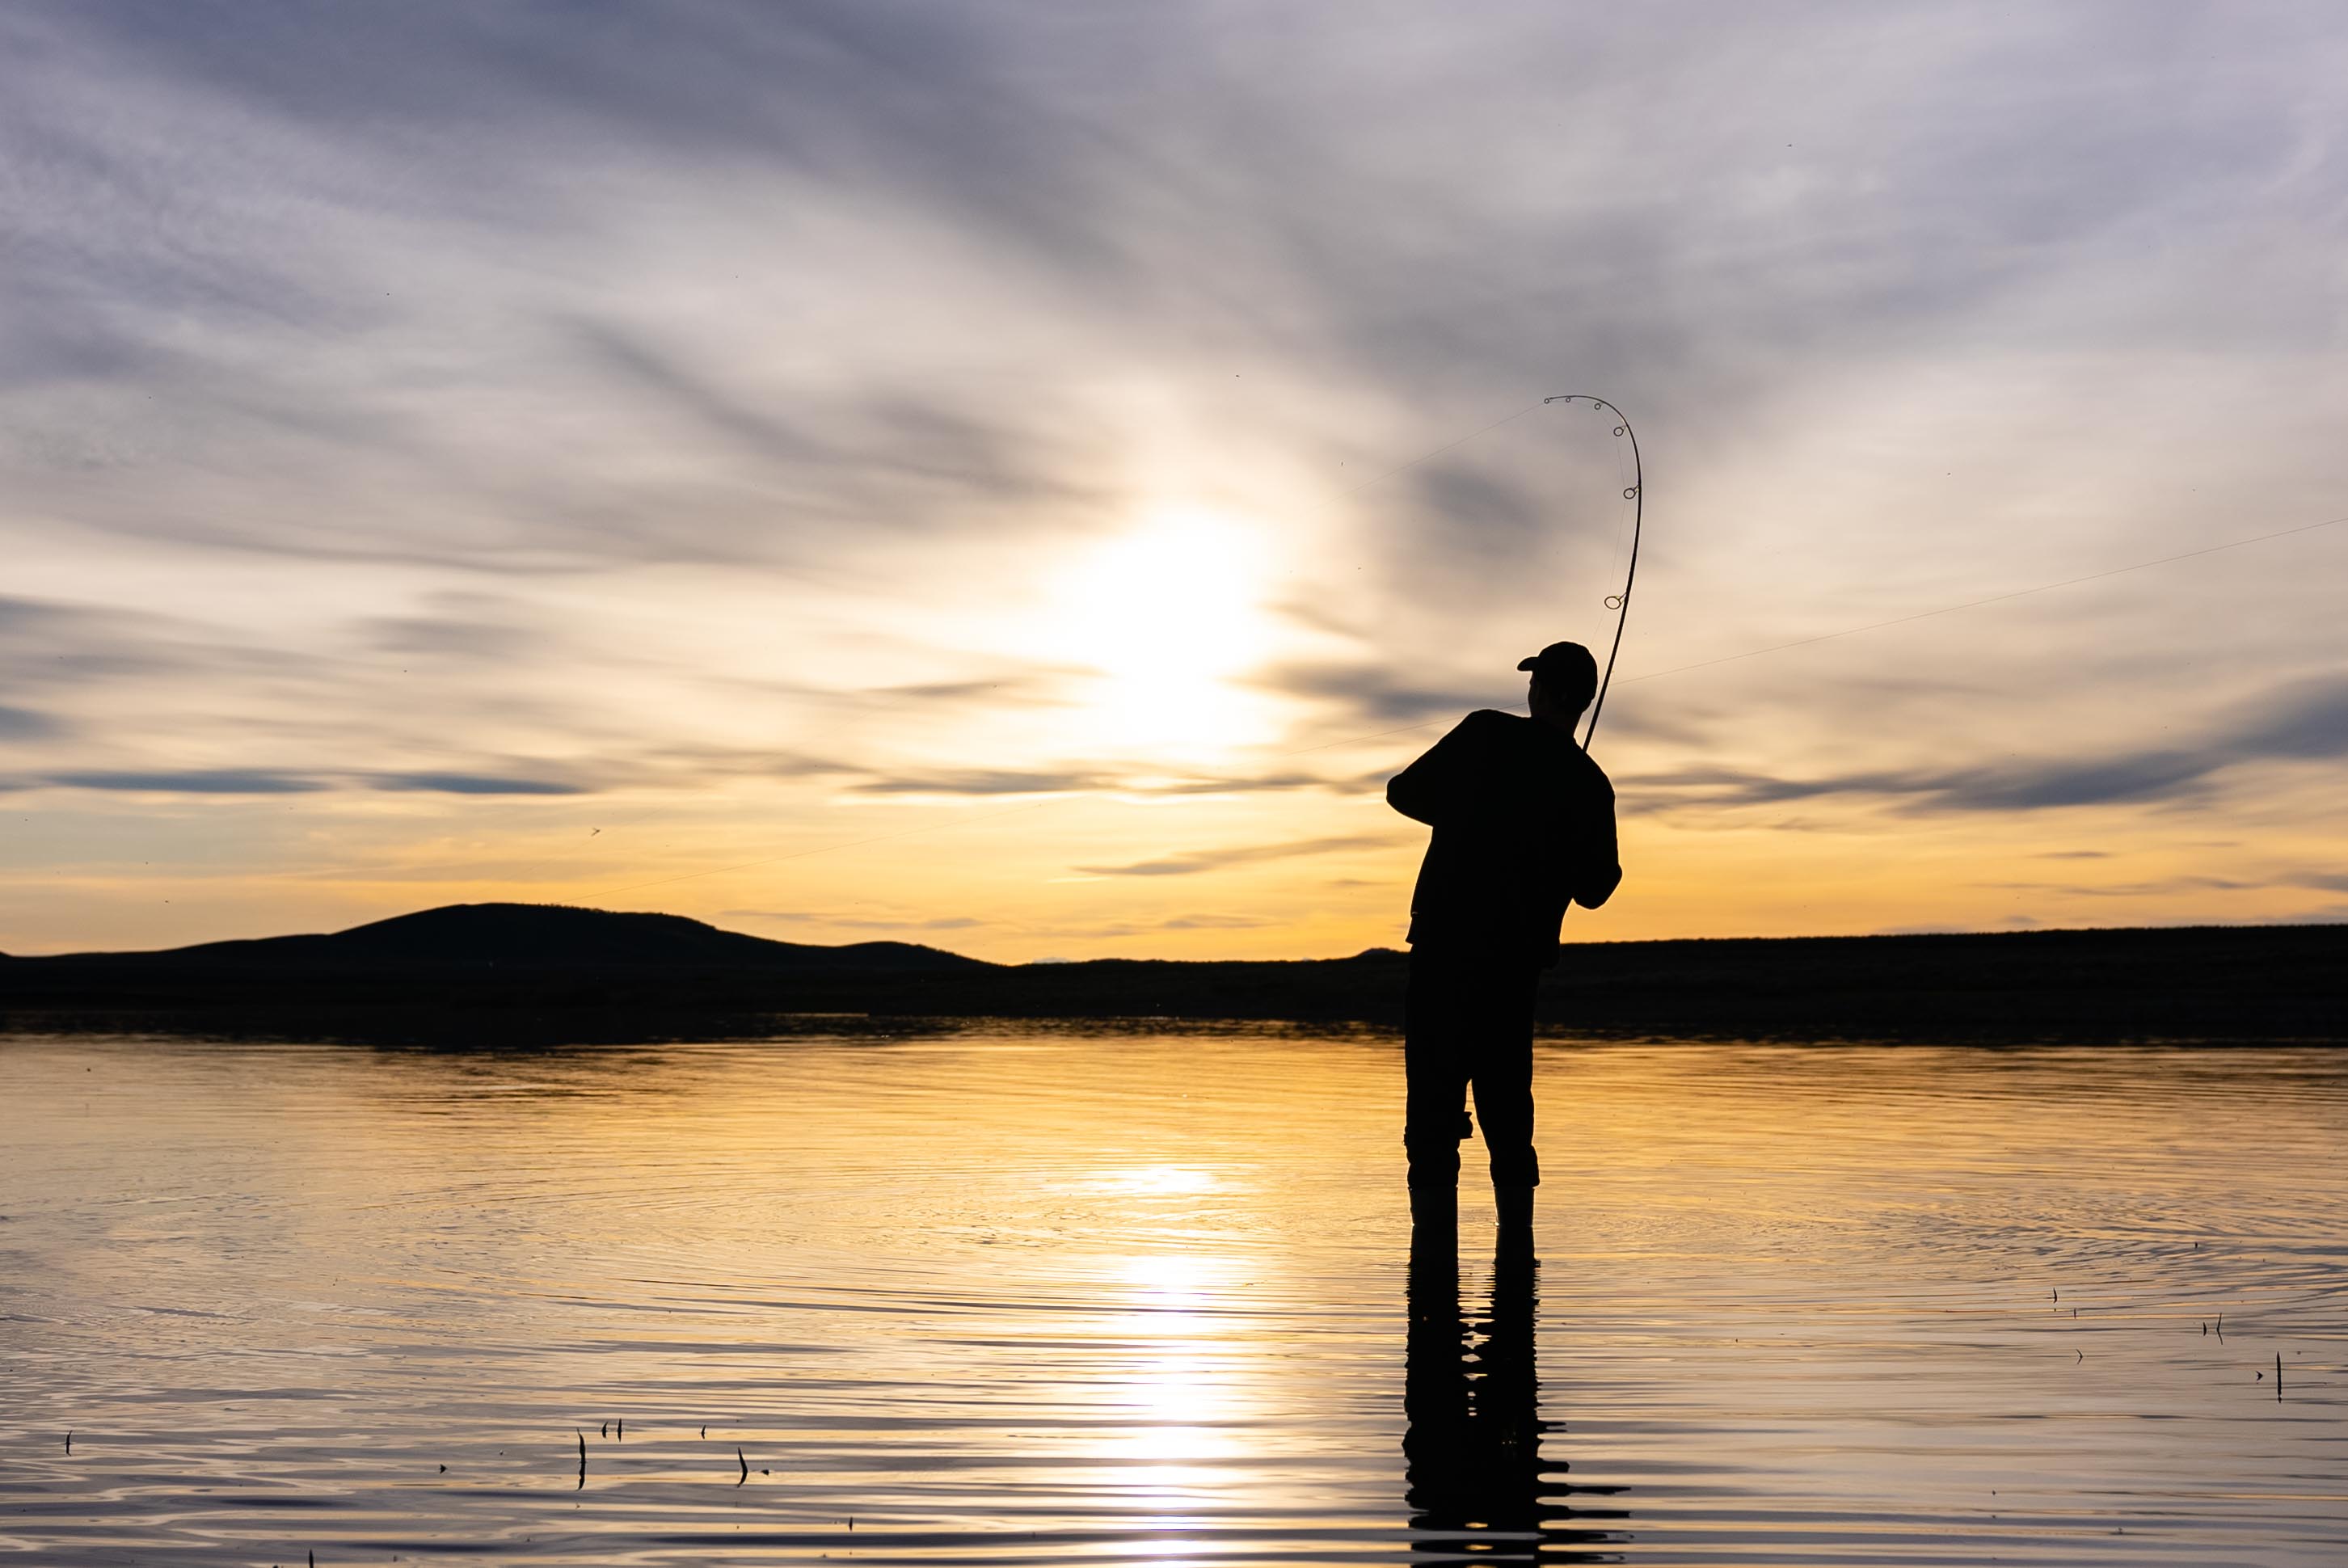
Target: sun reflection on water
(1161, 1181)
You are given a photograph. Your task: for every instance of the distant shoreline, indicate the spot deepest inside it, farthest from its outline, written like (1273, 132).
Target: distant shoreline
(540, 973)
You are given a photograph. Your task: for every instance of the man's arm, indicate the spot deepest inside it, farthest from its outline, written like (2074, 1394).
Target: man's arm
(1602, 872)
(1430, 788)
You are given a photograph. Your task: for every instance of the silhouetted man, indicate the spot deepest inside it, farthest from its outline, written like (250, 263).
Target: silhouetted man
(1524, 824)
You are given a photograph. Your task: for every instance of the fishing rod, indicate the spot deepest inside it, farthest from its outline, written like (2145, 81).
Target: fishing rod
(1637, 495)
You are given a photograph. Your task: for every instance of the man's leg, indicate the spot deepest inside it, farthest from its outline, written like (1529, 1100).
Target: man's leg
(1502, 1062)
(1434, 1065)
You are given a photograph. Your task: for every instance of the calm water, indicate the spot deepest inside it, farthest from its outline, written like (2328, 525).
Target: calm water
(1138, 1299)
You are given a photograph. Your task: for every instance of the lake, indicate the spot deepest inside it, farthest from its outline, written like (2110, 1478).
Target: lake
(1068, 1297)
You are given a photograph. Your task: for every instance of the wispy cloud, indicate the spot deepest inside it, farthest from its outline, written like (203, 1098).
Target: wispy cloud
(1038, 689)
(279, 782)
(24, 723)
(1133, 778)
(2303, 721)
(2134, 889)
(987, 781)
(1377, 694)
(472, 784)
(855, 921)
(191, 781)
(1191, 863)
(473, 628)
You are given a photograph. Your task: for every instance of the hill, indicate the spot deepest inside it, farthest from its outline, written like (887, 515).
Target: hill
(513, 973)
(536, 936)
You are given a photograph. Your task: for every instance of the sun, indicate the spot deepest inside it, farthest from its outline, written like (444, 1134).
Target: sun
(1168, 615)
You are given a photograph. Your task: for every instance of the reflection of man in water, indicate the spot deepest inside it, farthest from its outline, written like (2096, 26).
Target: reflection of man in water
(1477, 1482)
(1524, 824)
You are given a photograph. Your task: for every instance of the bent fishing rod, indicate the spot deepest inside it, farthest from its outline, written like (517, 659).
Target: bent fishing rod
(1637, 495)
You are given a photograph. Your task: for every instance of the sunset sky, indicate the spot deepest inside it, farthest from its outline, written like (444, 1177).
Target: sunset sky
(851, 471)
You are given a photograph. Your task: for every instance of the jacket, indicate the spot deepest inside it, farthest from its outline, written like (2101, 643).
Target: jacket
(1524, 825)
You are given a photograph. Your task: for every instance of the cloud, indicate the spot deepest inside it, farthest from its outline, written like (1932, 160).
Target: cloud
(759, 429)
(885, 458)
(284, 781)
(2133, 776)
(2160, 889)
(365, 325)
(472, 784)
(986, 781)
(854, 922)
(2155, 776)
(24, 724)
(2307, 720)
(1037, 687)
(468, 627)
(1134, 779)
(1474, 525)
(690, 764)
(191, 781)
(2301, 721)
(49, 645)
(1192, 863)
(1241, 783)
(1641, 793)
(1217, 922)
(1376, 694)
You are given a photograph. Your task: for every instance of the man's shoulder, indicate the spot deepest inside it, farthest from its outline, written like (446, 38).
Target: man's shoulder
(1534, 740)
(1486, 726)
(1593, 775)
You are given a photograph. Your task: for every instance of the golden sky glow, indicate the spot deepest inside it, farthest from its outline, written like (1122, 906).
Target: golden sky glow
(841, 480)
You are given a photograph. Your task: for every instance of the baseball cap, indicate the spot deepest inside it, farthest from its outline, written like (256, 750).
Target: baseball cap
(1567, 669)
